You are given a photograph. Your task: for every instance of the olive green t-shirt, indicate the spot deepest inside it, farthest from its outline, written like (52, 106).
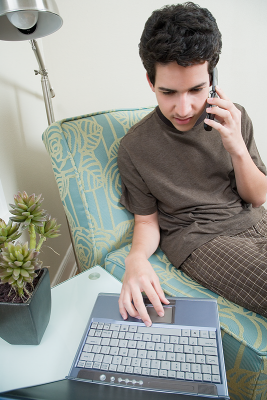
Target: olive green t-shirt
(188, 178)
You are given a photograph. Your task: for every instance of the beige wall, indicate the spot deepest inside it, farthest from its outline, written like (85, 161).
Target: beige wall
(24, 162)
(93, 65)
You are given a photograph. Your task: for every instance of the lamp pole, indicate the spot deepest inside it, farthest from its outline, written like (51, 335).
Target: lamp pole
(48, 91)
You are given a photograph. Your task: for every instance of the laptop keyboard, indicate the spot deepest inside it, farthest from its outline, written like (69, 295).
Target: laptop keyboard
(179, 353)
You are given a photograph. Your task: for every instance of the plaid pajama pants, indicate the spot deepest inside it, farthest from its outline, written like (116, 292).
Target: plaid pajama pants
(234, 267)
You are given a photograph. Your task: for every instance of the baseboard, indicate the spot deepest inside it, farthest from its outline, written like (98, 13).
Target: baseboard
(67, 268)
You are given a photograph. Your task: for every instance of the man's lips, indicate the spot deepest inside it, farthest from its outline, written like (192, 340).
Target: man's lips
(182, 121)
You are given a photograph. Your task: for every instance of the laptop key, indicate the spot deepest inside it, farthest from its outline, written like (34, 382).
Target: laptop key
(189, 376)
(210, 351)
(155, 364)
(206, 377)
(161, 355)
(215, 378)
(114, 351)
(207, 342)
(141, 345)
(104, 366)
(123, 351)
(81, 364)
(87, 356)
(115, 327)
(116, 360)
(145, 371)
(93, 340)
(124, 328)
(159, 346)
(133, 328)
(150, 346)
(147, 337)
(142, 353)
(152, 355)
(174, 339)
(165, 339)
(107, 359)
(204, 334)
(180, 357)
(89, 364)
(215, 369)
(98, 358)
(136, 362)
(155, 338)
(132, 353)
(212, 360)
(137, 370)
(175, 366)
(129, 335)
(145, 363)
(132, 344)
(154, 372)
(165, 365)
(171, 374)
(197, 376)
(163, 373)
(206, 369)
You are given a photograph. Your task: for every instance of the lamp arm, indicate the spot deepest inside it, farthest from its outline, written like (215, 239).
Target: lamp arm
(48, 91)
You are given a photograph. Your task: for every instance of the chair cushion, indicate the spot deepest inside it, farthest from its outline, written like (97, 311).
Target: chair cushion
(244, 333)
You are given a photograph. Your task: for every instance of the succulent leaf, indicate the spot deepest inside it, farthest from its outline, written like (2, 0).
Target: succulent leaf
(27, 208)
(8, 232)
(20, 271)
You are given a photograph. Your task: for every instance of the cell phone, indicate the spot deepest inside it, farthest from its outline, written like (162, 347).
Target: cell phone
(212, 94)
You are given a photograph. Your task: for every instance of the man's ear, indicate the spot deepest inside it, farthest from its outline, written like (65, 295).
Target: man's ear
(150, 84)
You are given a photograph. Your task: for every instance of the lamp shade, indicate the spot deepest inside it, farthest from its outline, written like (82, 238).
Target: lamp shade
(28, 19)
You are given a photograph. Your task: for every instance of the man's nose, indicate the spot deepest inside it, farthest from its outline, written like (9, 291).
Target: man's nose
(183, 106)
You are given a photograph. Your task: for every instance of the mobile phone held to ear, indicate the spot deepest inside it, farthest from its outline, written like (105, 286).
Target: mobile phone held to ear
(212, 94)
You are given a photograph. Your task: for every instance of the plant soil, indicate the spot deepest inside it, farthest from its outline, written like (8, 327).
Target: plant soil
(8, 294)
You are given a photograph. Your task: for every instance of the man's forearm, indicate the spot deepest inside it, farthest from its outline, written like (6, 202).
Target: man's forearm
(146, 235)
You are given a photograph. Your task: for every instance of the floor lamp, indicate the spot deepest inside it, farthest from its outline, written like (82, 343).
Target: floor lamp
(31, 20)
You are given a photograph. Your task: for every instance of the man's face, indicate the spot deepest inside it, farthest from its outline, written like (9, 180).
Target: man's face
(181, 92)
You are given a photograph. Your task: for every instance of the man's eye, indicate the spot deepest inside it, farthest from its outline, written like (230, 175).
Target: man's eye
(167, 93)
(196, 90)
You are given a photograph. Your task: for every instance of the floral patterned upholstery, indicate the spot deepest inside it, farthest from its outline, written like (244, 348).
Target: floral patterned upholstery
(83, 152)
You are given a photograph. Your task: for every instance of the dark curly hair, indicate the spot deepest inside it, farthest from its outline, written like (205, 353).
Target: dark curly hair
(185, 33)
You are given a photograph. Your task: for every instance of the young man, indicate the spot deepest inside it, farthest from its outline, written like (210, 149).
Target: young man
(195, 193)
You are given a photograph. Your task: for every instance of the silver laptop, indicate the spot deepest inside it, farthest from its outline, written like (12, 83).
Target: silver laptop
(180, 353)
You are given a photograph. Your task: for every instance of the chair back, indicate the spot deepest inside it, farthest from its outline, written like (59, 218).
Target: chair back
(83, 152)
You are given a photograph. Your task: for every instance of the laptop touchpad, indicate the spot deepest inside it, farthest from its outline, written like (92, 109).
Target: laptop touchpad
(168, 315)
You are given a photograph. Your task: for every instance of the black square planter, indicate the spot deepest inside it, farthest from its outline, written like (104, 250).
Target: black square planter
(25, 323)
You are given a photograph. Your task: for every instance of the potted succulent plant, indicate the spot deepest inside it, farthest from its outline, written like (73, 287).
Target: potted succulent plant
(25, 293)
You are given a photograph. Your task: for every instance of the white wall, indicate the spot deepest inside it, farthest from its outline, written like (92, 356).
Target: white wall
(94, 65)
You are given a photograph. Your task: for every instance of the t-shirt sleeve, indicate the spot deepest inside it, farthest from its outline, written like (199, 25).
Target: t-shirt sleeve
(136, 196)
(247, 131)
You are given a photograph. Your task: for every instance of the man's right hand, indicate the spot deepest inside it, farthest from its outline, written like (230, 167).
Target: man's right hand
(140, 277)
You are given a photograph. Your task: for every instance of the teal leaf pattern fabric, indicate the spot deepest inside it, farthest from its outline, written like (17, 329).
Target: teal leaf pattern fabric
(83, 152)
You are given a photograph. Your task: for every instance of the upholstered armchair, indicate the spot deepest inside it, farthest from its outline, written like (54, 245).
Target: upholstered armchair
(83, 153)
